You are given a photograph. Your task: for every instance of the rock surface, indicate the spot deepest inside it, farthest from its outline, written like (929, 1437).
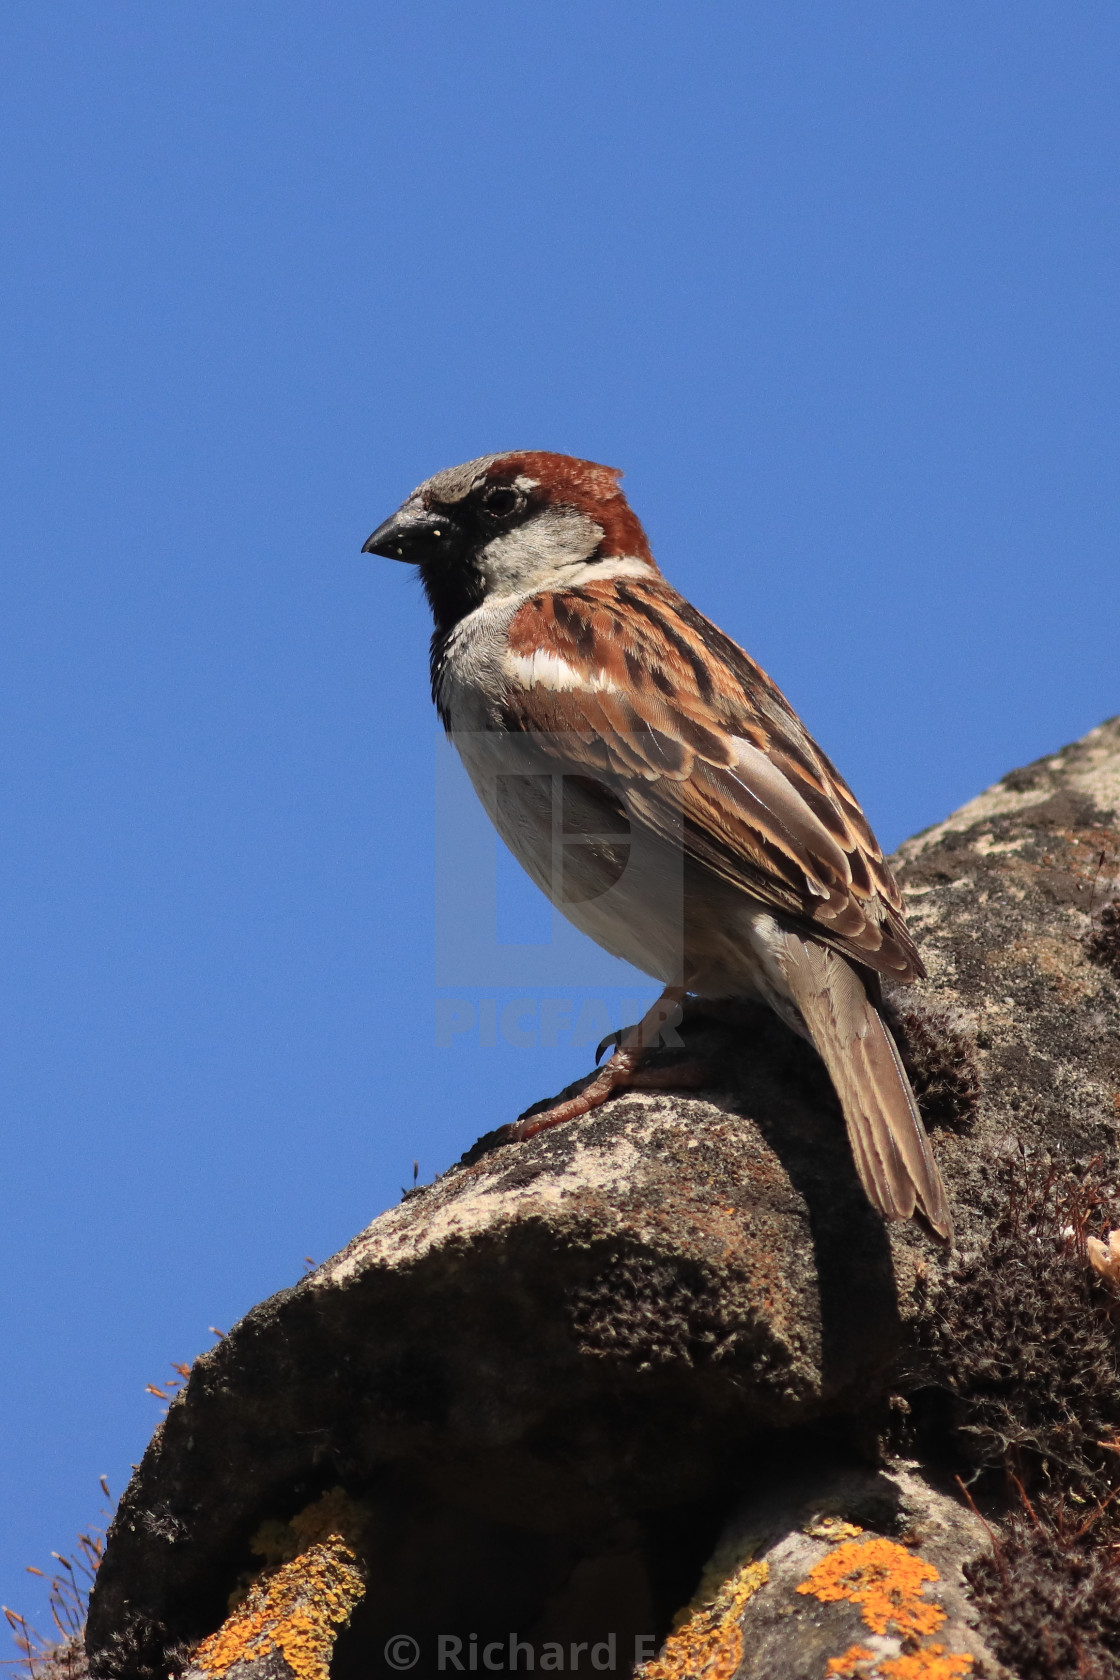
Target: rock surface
(835, 1564)
(1006, 900)
(549, 1377)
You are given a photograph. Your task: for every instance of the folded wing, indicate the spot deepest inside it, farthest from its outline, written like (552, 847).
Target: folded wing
(645, 687)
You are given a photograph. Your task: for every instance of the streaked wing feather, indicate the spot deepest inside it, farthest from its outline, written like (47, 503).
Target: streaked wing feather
(656, 693)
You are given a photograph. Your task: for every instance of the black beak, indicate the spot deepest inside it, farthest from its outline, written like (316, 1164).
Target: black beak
(414, 534)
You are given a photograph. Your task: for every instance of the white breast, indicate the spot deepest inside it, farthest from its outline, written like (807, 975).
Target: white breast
(639, 919)
(472, 677)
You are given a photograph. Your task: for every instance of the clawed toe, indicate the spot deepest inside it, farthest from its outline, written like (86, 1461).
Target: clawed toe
(627, 1069)
(612, 1038)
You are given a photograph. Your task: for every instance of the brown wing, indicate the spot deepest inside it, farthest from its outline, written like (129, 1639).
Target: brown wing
(655, 693)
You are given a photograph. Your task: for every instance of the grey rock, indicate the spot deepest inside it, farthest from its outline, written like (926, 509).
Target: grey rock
(1006, 900)
(792, 1527)
(552, 1373)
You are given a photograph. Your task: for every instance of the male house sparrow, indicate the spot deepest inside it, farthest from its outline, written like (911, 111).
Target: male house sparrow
(555, 630)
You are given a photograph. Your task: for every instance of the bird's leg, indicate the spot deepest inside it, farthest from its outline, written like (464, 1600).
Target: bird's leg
(623, 1072)
(689, 1009)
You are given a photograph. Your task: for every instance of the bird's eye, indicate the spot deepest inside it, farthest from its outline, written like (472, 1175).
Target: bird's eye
(500, 501)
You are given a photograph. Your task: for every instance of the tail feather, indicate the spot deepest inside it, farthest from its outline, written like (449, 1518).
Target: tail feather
(889, 1142)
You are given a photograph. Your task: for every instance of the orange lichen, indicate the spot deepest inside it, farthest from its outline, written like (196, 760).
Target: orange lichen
(887, 1583)
(852, 1665)
(297, 1612)
(884, 1579)
(932, 1662)
(709, 1643)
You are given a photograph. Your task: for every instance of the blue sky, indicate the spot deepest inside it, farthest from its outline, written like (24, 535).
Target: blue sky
(837, 287)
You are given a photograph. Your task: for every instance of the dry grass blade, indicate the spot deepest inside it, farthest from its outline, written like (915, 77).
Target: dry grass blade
(59, 1655)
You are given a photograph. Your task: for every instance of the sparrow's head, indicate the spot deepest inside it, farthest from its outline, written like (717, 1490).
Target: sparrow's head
(511, 524)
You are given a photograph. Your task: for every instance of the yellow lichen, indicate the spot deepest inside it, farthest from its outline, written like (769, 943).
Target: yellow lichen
(932, 1662)
(276, 1542)
(333, 1513)
(296, 1612)
(832, 1529)
(708, 1645)
(884, 1579)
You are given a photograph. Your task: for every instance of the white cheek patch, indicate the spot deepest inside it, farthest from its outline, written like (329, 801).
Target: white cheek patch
(548, 670)
(539, 552)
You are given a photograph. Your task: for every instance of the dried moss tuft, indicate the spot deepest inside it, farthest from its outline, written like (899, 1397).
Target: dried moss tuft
(1026, 1342)
(649, 1311)
(940, 1058)
(1050, 1596)
(1026, 1339)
